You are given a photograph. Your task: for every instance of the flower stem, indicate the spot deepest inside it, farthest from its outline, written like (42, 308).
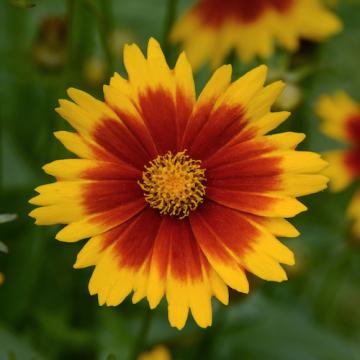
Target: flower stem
(208, 339)
(103, 26)
(169, 21)
(142, 335)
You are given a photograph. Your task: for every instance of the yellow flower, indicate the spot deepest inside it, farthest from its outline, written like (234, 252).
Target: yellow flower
(94, 71)
(158, 353)
(179, 195)
(213, 28)
(2, 278)
(341, 121)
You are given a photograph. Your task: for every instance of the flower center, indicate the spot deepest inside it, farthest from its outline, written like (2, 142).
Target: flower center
(174, 184)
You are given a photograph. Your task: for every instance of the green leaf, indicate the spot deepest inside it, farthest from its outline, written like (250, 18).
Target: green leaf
(7, 217)
(111, 357)
(260, 328)
(22, 4)
(15, 347)
(3, 247)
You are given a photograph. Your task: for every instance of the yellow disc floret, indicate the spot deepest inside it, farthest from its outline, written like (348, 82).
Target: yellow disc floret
(174, 184)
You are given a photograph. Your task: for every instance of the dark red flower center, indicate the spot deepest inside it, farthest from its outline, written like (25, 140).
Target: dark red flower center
(216, 12)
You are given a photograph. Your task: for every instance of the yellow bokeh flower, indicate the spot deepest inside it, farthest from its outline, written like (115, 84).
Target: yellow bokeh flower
(158, 353)
(340, 117)
(211, 29)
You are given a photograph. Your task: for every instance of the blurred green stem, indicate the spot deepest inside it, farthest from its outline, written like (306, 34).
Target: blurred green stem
(104, 26)
(169, 21)
(72, 58)
(1, 150)
(206, 344)
(142, 335)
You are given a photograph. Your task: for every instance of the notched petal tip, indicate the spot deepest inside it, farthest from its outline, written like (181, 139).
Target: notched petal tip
(302, 136)
(91, 290)
(245, 289)
(32, 213)
(73, 92)
(294, 233)
(62, 103)
(226, 68)
(131, 47)
(35, 201)
(153, 43)
(153, 301)
(47, 168)
(290, 259)
(301, 208)
(280, 280)
(79, 265)
(225, 300)
(262, 69)
(284, 114)
(63, 235)
(325, 165)
(204, 325)
(58, 134)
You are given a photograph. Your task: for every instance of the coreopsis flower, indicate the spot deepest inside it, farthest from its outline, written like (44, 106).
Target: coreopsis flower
(157, 353)
(341, 121)
(211, 29)
(180, 195)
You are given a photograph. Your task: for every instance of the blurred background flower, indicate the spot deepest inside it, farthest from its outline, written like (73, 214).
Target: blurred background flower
(158, 353)
(340, 117)
(211, 29)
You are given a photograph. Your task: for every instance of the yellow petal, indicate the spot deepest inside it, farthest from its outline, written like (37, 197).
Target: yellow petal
(241, 91)
(263, 266)
(104, 276)
(301, 161)
(71, 168)
(75, 143)
(184, 77)
(218, 286)
(261, 103)
(58, 214)
(269, 122)
(280, 227)
(90, 253)
(122, 287)
(217, 84)
(200, 302)
(136, 66)
(158, 67)
(300, 184)
(286, 140)
(59, 192)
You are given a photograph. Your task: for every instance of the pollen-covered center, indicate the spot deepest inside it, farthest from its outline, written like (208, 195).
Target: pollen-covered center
(174, 184)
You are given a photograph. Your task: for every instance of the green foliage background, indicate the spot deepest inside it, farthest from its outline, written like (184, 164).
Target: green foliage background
(45, 309)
